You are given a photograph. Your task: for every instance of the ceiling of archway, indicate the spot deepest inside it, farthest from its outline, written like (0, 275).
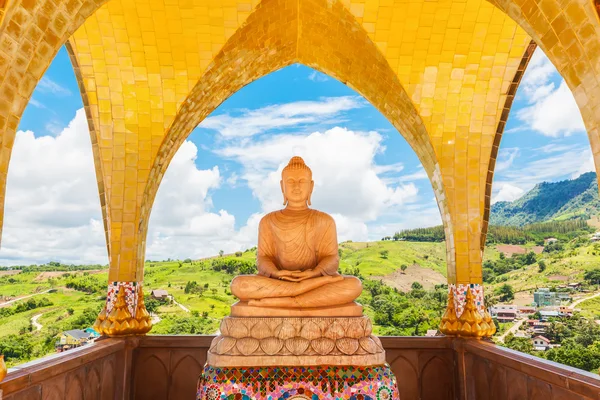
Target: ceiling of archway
(140, 59)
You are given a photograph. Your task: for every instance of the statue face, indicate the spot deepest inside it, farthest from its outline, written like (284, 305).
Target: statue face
(297, 186)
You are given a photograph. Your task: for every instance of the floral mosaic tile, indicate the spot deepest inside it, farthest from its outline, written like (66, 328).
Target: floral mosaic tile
(298, 383)
(131, 293)
(460, 297)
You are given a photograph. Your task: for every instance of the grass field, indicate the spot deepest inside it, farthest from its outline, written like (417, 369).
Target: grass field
(425, 261)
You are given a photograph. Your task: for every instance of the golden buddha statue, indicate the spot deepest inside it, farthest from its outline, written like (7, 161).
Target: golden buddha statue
(297, 254)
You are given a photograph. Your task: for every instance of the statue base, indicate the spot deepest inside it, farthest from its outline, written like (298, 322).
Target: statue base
(263, 342)
(242, 309)
(287, 358)
(298, 383)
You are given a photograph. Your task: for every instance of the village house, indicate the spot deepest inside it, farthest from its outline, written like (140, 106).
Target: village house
(565, 311)
(504, 313)
(160, 294)
(75, 338)
(527, 310)
(545, 315)
(540, 343)
(538, 327)
(550, 241)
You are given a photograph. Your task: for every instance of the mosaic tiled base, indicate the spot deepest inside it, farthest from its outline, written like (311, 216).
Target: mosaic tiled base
(298, 383)
(131, 294)
(460, 294)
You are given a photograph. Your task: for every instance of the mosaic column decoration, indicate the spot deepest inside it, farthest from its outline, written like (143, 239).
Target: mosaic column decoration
(466, 314)
(124, 312)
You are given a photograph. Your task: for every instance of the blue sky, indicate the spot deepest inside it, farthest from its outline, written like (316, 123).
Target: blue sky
(225, 177)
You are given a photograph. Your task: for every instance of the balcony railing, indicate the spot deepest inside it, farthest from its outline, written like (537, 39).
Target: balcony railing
(167, 367)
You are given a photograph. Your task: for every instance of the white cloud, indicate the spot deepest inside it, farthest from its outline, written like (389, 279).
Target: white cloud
(586, 166)
(233, 179)
(182, 224)
(36, 103)
(551, 111)
(506, 158)
(567, 164)
(317, 76)
(52, 205)
(419, 175)
(300, 113)
(53, 209)
(347, 180)
(47, 85)
(507, 192)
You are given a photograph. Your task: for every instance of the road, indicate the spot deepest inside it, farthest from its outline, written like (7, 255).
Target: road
(22, 298)
(35, 323)
(576, 303)
(513, 329)
(184, 308)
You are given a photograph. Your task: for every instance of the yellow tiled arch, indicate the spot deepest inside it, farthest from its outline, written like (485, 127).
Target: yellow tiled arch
(292, 36)
(568, 31)
(138, 60)
(440, 71)
(31, 33)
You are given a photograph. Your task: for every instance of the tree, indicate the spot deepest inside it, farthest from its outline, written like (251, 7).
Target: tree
(403, 267)
(592, 276)
(151, 304)
(221, 252)
(542, 266)
(414, 318)
(576, 355)
(416, 286)
(521, 344)
(529, 258)
(238, 253)
(505, 293)
(384, 254)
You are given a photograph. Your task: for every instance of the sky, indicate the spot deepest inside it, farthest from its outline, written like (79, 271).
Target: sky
(225, 177)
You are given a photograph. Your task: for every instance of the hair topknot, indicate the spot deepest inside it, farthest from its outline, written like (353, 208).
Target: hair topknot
(296, 163)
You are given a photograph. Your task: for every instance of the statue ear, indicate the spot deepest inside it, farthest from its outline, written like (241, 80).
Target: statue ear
(285, 200)
(312, 186)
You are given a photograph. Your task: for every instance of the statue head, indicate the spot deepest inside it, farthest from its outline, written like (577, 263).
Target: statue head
(296, 184)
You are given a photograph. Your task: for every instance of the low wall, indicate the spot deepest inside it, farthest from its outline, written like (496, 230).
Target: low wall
(167, 367)
(97, 371)
(490, 372)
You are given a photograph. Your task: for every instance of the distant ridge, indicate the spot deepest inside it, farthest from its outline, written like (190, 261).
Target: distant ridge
(568, 199)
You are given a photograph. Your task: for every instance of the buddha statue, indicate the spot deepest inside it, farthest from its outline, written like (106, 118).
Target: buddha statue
(297, 256)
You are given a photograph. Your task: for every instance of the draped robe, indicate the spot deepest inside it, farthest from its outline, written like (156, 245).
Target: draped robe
(297, 241)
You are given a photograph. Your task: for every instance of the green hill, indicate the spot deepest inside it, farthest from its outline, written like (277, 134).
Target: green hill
(404, 292)
(575, 198)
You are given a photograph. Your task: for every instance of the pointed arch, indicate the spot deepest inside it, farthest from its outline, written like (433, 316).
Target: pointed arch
(291, 37)
(31, 33)
(569, 34)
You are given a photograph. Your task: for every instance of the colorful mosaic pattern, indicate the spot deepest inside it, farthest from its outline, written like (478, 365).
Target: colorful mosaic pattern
(460, 297)
(131, 293)
(295, 383)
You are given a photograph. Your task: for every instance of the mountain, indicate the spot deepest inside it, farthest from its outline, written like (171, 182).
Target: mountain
(550, 201)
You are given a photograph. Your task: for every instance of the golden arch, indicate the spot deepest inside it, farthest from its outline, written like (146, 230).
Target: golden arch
(284, 44)
(151, 73)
